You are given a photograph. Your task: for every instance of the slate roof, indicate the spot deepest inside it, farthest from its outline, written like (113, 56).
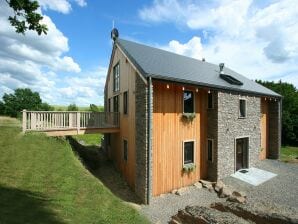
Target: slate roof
(164, 65)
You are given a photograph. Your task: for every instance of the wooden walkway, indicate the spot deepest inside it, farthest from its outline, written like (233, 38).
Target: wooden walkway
(61, 123)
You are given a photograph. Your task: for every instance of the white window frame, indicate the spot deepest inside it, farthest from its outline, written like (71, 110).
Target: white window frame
(194, 151)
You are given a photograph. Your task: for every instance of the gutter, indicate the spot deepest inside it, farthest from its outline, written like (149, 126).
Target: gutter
(149, 135)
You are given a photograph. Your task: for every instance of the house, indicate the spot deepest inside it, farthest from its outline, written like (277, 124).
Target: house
(182, 119)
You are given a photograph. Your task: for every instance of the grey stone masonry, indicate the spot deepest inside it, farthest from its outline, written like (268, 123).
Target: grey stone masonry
(231, 127)
(141, 139)
(274, 129)
(212, 129)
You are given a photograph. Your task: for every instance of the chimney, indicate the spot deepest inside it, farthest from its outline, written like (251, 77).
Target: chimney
(203, 59)
(221, 67)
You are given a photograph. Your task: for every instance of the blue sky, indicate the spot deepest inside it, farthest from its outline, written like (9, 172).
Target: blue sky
(258, 39)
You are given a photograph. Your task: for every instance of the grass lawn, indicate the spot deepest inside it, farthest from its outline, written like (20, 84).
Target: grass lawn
(289, 154)
(81, 108)
(89, 139)
(42, 181)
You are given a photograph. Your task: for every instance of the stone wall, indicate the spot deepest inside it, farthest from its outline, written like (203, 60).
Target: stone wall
(212, 130)
(141, 139)
(274, 129)
(230, 127)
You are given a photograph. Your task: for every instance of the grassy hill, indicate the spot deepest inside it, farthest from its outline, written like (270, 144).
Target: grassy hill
(42, 181)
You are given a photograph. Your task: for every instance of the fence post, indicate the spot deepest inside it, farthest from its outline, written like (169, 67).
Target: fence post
(78, 122)
(24, 120)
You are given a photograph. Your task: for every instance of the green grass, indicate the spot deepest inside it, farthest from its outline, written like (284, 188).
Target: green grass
(89, 139)
(42, 181)
(289, 153)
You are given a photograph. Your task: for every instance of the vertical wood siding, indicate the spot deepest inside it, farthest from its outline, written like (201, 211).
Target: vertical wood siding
(264, 129)
(169, 132)
(127, 122)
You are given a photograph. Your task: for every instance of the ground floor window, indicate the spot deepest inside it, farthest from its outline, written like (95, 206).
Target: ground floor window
(125, 148)
(210, 150)
(188, 154)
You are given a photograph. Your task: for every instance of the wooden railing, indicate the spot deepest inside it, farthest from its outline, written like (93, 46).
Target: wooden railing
(65, 120)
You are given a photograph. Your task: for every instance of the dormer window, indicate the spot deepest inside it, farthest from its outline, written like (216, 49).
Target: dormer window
(116, 77)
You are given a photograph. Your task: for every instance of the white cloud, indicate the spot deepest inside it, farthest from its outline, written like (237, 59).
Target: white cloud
(62, 6)
(193, 48)
(257, 41)
(42, 64)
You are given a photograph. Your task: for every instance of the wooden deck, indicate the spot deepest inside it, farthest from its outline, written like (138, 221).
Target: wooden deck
(61, 123)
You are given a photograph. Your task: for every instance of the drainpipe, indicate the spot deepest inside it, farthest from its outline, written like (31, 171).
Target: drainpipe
(149, 139)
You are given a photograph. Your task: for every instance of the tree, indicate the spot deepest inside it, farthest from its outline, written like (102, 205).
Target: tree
(94, 108)
(72, 107)
(289, 110)
(26, 16)
(21, 99)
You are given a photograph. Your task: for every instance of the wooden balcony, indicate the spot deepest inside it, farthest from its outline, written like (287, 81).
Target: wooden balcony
(60, 123)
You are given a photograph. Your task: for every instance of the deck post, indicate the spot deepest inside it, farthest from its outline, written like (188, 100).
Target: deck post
(24, 120)
(78, 121)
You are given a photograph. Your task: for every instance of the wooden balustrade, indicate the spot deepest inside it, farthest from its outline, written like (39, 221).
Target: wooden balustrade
(65, 120)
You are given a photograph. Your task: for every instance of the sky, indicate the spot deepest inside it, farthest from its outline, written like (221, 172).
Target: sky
(258, 39)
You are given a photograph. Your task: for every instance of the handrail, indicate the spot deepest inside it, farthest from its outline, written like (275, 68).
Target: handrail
(52, 120)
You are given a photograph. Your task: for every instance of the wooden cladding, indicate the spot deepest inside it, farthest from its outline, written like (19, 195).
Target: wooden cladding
(264, 129)
(171, 130)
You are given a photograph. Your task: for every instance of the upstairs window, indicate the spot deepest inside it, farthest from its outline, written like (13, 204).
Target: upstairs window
(125, 148)
(242, 108)
(210, 150)
(125, 102)
(116, 104)
(188, 102)
(210, 100)
(188, 152)
(116, 77)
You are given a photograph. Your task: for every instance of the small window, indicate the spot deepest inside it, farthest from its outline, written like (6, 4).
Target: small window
(188, 152)
(125, 146)
(242, 108)
(188, 102)
(210, 150)
(210, 100)
(116, 104)
(125, 102)
(109, 105)
(116, 77)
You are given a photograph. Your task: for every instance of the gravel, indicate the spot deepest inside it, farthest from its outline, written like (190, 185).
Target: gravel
(162, 208)
(281, 189)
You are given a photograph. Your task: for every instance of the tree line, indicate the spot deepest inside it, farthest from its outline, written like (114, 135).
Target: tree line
(25, 99)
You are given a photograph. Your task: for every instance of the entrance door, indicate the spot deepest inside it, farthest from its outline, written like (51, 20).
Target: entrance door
(241, 153)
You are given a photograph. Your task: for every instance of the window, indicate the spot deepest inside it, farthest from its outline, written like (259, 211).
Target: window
(125, 146)
(116, 104)
(210, 100)
(242, 108)
(188, 102)
(116, 77)
(188, 152)
(230, 79)
(109, 105)
(210, 150)
(125, 102)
